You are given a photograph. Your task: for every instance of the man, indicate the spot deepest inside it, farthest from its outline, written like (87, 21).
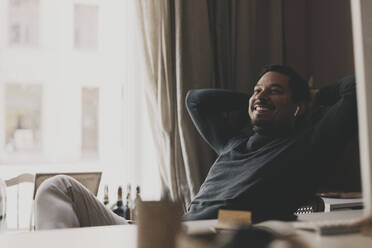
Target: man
(278, 168)
(271, 172)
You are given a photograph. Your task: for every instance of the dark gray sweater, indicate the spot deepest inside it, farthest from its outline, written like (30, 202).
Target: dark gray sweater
(269, 174)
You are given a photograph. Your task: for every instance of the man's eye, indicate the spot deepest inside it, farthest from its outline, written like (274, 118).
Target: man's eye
(275, 91)
(256, 91)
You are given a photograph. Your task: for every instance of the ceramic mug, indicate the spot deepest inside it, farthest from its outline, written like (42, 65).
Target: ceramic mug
(158, 224)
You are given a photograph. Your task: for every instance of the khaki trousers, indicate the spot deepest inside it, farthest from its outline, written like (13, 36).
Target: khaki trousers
(63, 202)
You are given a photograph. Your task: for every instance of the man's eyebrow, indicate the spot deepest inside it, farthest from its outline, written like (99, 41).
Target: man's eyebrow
(277, 85)
(272, 85)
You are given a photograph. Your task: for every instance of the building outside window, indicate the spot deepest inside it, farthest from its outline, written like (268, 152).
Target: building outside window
(90, 115)
(23, 22)
(85, 26)
(22, 118)
(63, 110)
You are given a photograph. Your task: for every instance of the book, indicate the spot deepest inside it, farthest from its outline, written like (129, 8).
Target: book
(332, 203)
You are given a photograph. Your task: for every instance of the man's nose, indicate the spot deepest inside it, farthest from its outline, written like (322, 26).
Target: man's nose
(263, 94)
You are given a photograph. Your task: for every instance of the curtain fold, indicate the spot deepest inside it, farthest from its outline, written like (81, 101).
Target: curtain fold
(200, 44)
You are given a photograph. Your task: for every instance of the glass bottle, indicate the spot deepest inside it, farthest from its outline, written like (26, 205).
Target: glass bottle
(128, 204)
(119, 208)
(106, 196)
(137, 200)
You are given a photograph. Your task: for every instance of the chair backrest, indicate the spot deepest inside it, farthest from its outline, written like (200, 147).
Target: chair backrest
(22, 178)
(343, 175)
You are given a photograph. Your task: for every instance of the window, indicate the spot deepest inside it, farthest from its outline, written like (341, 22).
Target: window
(64, 110)
(23, 22)
(23, 117)
(90, 102)
(86, 26)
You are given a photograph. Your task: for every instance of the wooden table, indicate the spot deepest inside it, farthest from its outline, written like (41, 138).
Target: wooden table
(125, 236)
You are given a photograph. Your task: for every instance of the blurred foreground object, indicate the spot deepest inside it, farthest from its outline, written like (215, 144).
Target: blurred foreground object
(159, 222)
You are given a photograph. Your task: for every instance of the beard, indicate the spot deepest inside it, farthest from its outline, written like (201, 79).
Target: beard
(271, 127)
(262, 124)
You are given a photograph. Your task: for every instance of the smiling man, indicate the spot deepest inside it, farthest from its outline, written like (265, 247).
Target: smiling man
(272, 105)
(278, 167)
(271, 172)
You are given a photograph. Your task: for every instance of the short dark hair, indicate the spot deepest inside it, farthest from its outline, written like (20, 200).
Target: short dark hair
(299, 87)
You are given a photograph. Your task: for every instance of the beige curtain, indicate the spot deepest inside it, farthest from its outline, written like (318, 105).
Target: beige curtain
(192, 44)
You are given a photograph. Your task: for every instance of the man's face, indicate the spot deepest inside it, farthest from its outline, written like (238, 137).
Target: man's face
(271, 105)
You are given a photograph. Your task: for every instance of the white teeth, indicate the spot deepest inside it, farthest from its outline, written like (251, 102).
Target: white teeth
(260, 108)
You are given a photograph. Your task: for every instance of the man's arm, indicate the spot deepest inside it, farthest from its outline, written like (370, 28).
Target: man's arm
(207, 108)
(339, 124)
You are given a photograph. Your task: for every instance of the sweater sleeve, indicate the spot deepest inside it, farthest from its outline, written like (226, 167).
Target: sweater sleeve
(339, 124)
(208, 108)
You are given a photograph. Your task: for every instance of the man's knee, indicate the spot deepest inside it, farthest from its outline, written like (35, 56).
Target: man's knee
(54, 203)
(50, 185)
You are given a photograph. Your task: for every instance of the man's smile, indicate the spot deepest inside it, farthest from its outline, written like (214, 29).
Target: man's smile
(261, 107)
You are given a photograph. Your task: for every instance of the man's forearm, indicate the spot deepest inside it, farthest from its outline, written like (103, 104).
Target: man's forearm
(206, 108)
(329, 95)
(337, 126)
(217, 100)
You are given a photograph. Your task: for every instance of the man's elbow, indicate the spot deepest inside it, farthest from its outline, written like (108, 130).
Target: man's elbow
(192, 98)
